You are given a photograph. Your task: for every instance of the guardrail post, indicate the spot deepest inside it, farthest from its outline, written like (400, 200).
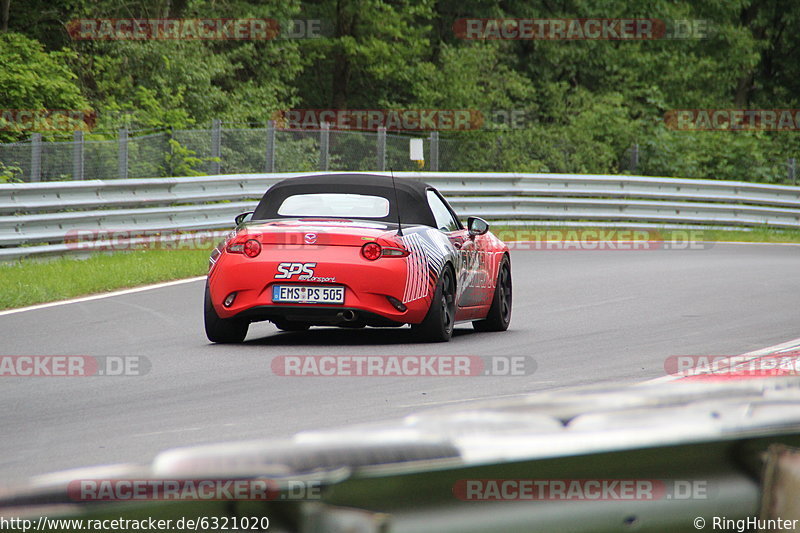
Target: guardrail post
(77, 155)
(634, 157)
(269, 162)
(381, 148)
(36, 157)
(122, 154)
(324, 138)
(216, 145)
(791, 165)
(434, 148)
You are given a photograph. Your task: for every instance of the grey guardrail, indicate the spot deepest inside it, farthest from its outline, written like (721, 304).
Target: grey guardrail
(37, 218)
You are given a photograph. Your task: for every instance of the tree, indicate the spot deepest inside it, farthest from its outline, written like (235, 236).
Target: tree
(5, 7)
(374, 58)
(32, 79)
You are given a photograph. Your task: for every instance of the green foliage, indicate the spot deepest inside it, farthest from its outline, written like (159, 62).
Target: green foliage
(581, 104)
(374, 58)
(10, 173)
(297, 154)
(33, 79)
(181, 161)
(714, 155)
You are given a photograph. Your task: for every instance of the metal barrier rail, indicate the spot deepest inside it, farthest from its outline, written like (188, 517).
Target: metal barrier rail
(36, 218)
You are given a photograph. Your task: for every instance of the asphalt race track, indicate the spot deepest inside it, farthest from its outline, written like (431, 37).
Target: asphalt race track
(585, 316)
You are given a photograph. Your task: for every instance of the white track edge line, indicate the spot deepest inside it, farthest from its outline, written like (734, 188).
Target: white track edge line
(100, 296)
(784, 346)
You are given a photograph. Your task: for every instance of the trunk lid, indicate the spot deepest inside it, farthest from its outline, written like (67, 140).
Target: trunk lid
(321, 232)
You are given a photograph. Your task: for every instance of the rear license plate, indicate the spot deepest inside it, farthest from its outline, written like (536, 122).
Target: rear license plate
(307, 294)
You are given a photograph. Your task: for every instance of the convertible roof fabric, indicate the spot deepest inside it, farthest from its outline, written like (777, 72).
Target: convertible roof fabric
(411, 195)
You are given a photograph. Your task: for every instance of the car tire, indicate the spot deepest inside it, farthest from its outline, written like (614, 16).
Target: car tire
(291, 325)
(499, 316)
(222, 330)
(438, 323)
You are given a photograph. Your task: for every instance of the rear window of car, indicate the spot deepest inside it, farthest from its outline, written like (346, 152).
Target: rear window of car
(334, 205)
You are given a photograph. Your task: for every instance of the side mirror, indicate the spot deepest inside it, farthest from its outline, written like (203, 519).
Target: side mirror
(477, 226)
(241, 218)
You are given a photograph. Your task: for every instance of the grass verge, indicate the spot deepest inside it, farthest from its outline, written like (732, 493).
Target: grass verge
(30, 282)
(756, 235)
(761, 235)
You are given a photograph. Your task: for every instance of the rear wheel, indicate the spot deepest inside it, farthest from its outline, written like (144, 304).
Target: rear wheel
(291, 325)
(222, 330)
(438, 323)
(499, 316)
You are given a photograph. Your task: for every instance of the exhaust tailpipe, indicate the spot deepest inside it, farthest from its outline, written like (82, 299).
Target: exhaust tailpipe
(348, 315)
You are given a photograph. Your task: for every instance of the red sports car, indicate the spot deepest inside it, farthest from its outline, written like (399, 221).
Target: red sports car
(357, 250)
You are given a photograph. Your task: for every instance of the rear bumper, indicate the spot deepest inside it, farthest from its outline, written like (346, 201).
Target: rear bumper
(317, 315)
(368, 284)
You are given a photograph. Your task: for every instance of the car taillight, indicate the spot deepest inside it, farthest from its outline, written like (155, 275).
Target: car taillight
(244, 244)
(395, 252)
(252, 248)
(371, 251)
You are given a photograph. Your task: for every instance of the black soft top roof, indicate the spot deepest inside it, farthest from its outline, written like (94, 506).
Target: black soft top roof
(411, 195)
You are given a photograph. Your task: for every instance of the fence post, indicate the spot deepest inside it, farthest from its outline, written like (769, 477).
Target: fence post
(77, 155)
(122, 154)
(216, 145)
(634, 157)
(36, 157)
(170, 157)
(381, 148)
(791, 165)
(434, 148)
(269, 165)
(324, 138)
